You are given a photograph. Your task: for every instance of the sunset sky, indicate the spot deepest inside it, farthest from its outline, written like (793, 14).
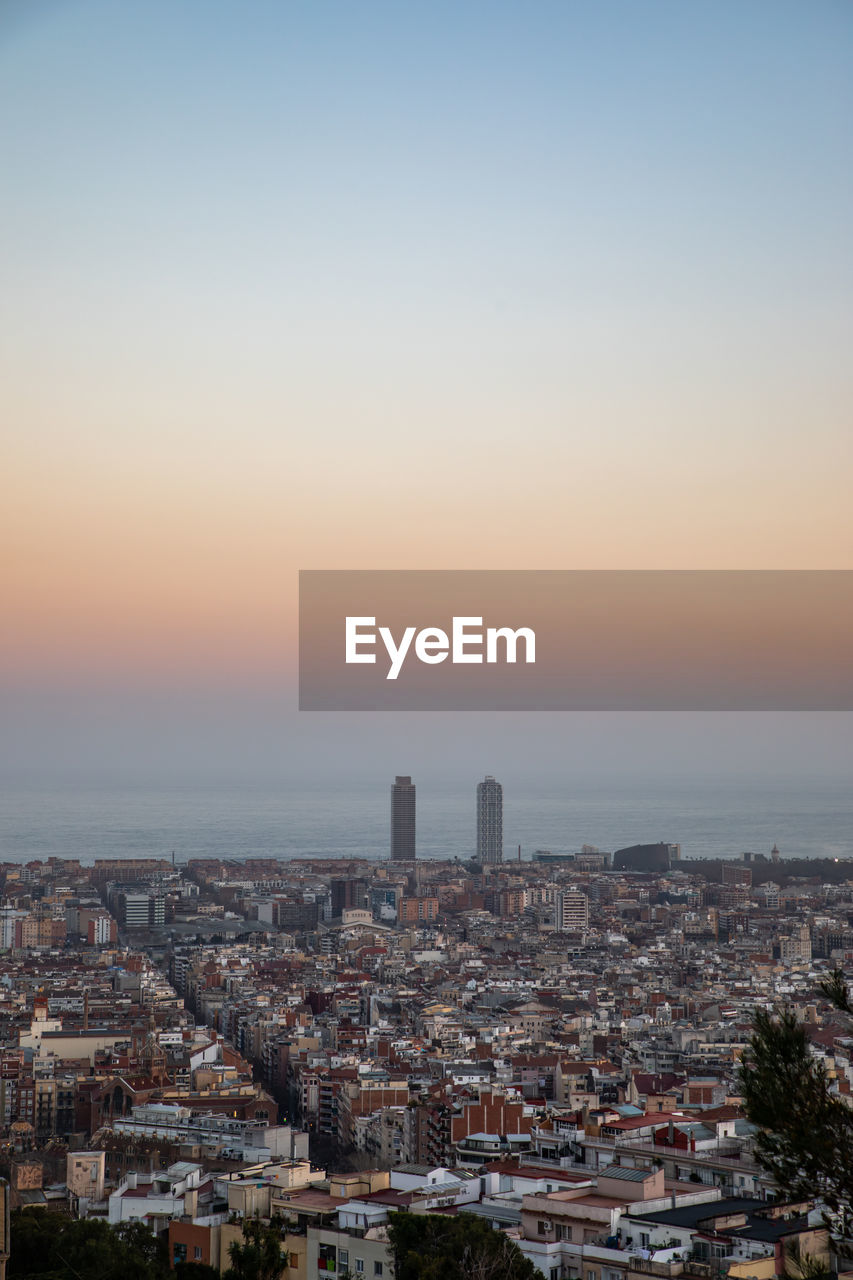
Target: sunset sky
(382, 285)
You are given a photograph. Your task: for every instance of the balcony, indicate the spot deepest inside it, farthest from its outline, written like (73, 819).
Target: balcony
(722, 1150)
(555, 1162)
(688, 1267)
(648, 1267)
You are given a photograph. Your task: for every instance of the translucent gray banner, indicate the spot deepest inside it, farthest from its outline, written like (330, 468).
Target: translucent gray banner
(438, 640)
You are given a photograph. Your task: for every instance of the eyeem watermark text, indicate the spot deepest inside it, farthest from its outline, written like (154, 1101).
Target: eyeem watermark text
(467, 642)
(575, 640)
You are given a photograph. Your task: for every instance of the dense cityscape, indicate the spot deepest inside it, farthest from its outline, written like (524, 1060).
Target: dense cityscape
(426, 826)
(550, 1045)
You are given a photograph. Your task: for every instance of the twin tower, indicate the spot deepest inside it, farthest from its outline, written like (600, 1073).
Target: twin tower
(490, 820)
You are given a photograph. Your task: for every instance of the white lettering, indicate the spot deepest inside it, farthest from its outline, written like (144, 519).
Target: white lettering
(354, 639)
(511, 638)
(461, 638)
(431, 645)
(396, 654)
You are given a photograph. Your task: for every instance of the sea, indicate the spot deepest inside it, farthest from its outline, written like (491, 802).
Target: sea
(103, 818)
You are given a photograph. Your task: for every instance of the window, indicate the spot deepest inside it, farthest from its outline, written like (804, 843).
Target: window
(377, 1268)
(359, 1266)
(197, 1253)
(326, 1258)
(343, 1258)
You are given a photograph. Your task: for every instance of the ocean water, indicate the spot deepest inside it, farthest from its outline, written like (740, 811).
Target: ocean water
(713, 818)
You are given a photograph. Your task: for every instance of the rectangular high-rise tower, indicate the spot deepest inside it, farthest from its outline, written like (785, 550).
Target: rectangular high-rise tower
(490, 821)
(572, 914)
(403, 819)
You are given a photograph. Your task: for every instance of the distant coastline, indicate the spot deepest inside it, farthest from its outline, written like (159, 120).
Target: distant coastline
(712, 820)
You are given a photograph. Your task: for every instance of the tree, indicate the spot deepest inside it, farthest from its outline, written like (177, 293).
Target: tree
(49, 1246)
(195, 1271)
(805, 1139)
(145, 1253)
(33, 1233)
(462, 1247)
(260, 1256)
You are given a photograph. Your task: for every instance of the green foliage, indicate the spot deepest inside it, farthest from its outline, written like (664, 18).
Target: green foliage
(33, 1234)
(195, 1271)
(806, 1133)
(49, 1246)
(260, 1256)
(458, 1247)
(835, 989)
(144, 1249)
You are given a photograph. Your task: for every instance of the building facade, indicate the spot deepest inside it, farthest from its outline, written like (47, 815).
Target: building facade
(572, 911)
(490, 821)
(403, 819)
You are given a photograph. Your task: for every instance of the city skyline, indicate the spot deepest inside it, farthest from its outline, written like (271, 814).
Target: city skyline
(371, 373)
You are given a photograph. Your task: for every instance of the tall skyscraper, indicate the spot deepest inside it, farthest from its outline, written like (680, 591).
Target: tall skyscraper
(490, 821)
(403, 819)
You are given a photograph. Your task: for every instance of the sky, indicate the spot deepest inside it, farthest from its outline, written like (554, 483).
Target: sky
(477, 285)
